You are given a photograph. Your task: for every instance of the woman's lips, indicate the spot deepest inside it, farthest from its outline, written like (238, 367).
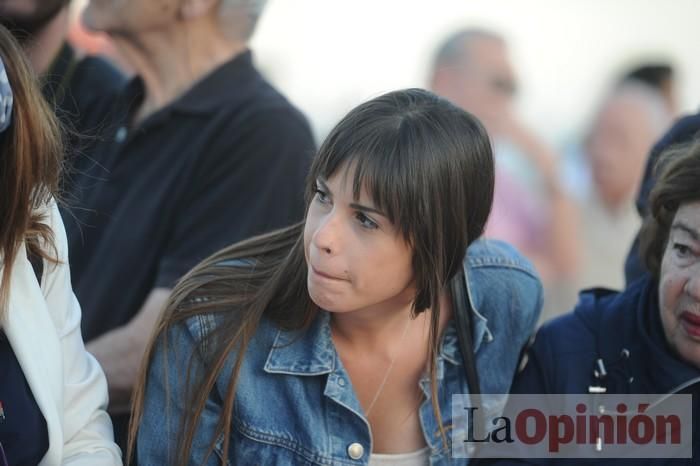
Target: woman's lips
(325, 275)
(691, 323)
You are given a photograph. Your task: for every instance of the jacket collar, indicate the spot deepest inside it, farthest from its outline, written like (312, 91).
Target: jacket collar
(669, 371)
(630, 321)
(303, 352)
(311, 351)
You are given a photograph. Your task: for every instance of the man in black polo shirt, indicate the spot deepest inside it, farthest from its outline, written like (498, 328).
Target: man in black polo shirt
(200, 152)
(73, 85)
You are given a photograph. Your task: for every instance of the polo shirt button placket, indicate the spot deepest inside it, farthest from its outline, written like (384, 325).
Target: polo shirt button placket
(355, 451)
(121, 135)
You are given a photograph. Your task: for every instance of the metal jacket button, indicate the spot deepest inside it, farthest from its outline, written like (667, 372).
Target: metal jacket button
(355, 451)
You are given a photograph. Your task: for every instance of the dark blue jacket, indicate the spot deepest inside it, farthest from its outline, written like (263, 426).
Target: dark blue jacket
(604, 324)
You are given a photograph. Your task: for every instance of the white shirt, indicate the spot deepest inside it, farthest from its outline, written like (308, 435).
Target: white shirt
(417, 458)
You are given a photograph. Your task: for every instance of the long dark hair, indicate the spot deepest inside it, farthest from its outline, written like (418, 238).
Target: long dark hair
(423, 161)
(31, 152)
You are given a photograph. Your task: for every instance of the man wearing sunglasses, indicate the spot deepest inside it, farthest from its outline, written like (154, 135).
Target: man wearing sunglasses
(472, 69)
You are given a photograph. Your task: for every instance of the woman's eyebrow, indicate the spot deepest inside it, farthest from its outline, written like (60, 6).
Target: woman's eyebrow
(322, 184)
(680, 225)
(367, 209)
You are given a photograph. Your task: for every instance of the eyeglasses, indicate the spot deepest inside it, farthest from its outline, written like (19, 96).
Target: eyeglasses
(503, 86)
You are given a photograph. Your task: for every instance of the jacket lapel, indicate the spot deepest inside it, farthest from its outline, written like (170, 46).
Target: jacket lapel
(33, 338)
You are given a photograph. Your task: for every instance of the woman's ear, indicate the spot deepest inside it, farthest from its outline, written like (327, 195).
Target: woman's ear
(191, 9)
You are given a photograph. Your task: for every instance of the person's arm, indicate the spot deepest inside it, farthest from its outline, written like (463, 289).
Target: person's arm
(562, 260)
(87, 429)
(120, 351)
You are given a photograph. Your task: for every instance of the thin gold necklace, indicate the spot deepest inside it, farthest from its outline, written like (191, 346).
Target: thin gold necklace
(388, 370)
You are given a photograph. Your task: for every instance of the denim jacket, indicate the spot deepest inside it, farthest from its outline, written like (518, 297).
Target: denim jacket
(294, 402)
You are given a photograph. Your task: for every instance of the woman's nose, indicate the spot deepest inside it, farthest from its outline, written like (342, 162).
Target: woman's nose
(692, 285)
(326, 237)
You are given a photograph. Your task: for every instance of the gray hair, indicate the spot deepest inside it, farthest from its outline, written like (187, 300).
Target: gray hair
(242, 13)
(453, 50)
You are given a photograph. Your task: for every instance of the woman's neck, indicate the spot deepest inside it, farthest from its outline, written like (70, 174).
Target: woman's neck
(171, 61)
(374, 330)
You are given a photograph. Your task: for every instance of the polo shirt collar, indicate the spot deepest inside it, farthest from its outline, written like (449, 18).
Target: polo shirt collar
(205, 95)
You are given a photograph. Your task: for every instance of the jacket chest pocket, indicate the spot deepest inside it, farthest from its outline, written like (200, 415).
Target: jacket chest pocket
(255, 446)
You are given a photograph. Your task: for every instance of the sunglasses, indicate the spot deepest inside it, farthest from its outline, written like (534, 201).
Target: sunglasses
(503, 86)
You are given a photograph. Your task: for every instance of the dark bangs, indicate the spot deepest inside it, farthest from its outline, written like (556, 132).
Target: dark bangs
(387, 155)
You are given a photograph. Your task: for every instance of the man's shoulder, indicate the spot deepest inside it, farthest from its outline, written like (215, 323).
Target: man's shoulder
(265, 104)
(258, 114)
(96, 76)
(95, 86)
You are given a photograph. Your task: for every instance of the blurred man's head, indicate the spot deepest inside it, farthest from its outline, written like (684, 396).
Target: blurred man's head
(235, 18)
(629, 121)
(27, 17)
(659, 76)
(472, 69)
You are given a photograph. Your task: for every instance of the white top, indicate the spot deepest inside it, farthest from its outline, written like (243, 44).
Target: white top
(607, 237)
(417, 458)
(42, 324)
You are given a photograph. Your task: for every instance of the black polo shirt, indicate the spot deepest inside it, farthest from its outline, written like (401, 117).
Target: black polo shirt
(224, 162)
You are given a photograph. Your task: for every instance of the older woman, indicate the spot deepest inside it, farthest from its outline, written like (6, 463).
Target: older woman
(647, 338)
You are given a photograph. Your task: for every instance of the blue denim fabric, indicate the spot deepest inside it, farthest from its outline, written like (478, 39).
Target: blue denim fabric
(294, 402)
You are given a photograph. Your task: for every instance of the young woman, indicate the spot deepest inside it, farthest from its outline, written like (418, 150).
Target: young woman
(333, 341)
(53, 394)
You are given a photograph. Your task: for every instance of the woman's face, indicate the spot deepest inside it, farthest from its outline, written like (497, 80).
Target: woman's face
(679, 284)
(356, 258)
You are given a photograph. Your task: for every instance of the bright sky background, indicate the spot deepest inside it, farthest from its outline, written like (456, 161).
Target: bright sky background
(329, 55)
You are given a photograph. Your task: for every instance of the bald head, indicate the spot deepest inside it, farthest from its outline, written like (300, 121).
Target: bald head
(472, 69)
(454, 51)
(241, 16)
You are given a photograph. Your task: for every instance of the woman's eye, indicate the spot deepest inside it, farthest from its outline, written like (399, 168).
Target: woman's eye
(366, 222)
(682, 250)
(321, 196)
